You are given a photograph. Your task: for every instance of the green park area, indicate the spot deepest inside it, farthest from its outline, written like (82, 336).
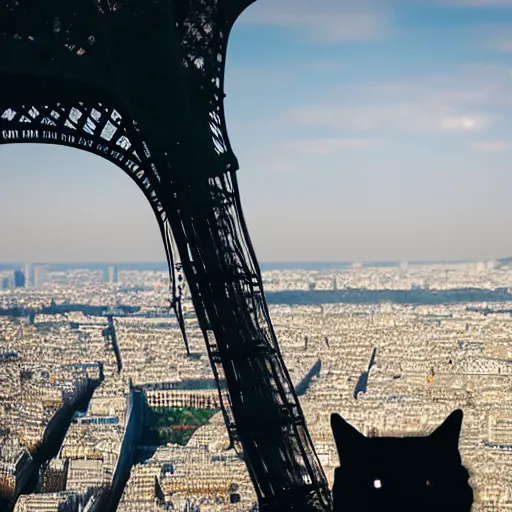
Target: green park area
(176, 425)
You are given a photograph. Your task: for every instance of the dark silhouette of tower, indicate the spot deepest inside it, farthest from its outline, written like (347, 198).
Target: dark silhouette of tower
(140, 84)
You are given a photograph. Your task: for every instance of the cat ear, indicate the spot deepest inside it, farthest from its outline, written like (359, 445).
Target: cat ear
(449, 431)
(345, 435)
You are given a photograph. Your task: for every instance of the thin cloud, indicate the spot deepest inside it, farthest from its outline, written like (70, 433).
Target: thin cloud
(502, 45)
(389, 117)
(328, 21)
(471, 99)
(281, 167)
(476, 3)
(471, 86)
(498, 42)
(494, 36)
(462, 123)
(325, 147)
(494, 146)
(324, 65)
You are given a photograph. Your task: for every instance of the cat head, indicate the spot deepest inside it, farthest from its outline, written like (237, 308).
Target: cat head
(348, 438)
(401, 474)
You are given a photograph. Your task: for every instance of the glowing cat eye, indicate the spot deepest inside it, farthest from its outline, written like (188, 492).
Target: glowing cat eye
(377, 484)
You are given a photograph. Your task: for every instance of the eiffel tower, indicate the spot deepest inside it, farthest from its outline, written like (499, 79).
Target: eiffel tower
(140, 83)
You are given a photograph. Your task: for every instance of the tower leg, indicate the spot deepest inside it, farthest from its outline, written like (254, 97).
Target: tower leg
(225, 284)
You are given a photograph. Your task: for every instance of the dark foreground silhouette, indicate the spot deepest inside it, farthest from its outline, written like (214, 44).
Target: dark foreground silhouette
(412, 474)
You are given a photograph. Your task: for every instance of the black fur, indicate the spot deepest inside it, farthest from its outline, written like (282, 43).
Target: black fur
(409, 474)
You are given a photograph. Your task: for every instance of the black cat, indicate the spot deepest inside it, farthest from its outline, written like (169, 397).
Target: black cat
(413, 474)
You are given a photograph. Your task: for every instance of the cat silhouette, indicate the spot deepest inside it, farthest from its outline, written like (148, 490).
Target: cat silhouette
(398, 474)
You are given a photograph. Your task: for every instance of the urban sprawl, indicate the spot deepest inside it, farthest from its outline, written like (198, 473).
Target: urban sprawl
(100, 400)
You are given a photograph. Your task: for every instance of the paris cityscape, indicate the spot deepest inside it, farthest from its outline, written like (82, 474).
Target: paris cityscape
(97, 383)
(372, 137)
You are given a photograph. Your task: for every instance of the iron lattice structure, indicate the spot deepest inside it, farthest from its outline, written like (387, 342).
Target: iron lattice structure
(140, 83)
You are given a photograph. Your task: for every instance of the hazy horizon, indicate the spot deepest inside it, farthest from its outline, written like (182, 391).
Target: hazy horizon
(260, 262)
(365, 131)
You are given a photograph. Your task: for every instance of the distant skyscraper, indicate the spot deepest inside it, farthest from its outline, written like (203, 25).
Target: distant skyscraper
(113, 274)
(28, 270)
(19, 279)
(39, 275)
(4, 283)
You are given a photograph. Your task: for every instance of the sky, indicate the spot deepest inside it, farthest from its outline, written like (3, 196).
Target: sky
(365, 130)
